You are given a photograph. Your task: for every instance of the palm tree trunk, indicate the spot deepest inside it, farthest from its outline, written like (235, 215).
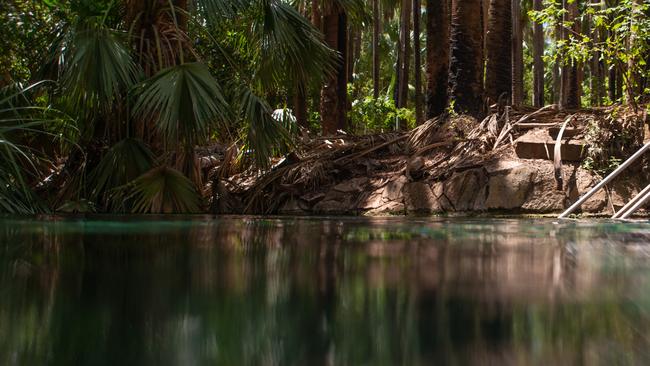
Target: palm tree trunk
(517, 55)
(437, 68)
(404, 55)
(316, 16)
(333, 104)
(498, 77)
(538, 61)
(596, 66)
(375, 48)
(417, 72)
(466, 65)
(570, 90)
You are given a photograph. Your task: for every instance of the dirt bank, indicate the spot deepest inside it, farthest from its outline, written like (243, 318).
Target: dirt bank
(502, 164)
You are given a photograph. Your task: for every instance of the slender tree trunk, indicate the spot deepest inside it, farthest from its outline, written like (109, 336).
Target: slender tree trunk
(333, 106)
(417, 12)
(466, 65)
(498, 77)
(517, 55)
(596, 66)
(570, 90)
(404, 55)
(437, 68)
(634, 77)
(375, 48)
(538, 61)
(611, 83)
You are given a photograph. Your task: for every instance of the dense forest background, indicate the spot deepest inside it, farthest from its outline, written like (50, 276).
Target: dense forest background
(104, 103)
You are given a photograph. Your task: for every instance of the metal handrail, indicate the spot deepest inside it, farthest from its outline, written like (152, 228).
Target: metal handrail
(636, 206)
(608, 179)
(630, 204)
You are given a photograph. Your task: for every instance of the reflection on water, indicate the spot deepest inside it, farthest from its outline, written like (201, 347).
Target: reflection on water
(245, 291)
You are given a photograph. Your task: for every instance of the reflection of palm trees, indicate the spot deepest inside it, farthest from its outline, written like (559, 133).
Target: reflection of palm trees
(312, 291)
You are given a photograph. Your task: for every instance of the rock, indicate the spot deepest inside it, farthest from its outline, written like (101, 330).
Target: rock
(538, 144)
(293, 207)
(582, 181)
(544, 197)
(332, 207)
(393, 190)
(372, 201)
(391, 207)
(510, 189)
(419, 198)
(415, 168)
(352, 185)
(466, 190)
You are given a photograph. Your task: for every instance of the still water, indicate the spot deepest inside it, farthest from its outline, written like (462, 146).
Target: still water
(323, 291)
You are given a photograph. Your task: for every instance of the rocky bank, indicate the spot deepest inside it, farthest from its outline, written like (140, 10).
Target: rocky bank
(503, 165)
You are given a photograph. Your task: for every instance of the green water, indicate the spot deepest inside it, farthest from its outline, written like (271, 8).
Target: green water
(323, 291)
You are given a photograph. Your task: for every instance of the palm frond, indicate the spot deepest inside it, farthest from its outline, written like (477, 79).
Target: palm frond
(216, 10)
(164, 190)
(291, 49)
(17, 162)
(185, 100)
(122, 163)
(264, 136)
(96, 65)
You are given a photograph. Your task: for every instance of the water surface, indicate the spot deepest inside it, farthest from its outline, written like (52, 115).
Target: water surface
(323, 291)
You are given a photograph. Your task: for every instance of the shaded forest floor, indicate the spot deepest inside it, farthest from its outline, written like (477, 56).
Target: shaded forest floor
(504, 163)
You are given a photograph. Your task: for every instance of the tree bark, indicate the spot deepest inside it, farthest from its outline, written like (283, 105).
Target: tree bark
(570, 90)
(437, 68)
(596, 66)
(375, 48)
(538, 61)
(517, 55)
(333, 106)
(417, 72)
(316, 15)
(466, 64)
(498, 78)
(404, 59)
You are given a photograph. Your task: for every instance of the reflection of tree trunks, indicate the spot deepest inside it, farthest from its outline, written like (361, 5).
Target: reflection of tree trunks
(437, 68)
(417, 72)
(466, 65)
(538, 62)
(498, 77)
(333, 105)
(517, 55)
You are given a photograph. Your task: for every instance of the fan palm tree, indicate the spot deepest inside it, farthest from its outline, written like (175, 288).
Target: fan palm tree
(146, 81)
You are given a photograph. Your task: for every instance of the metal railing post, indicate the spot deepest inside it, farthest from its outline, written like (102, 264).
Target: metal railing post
(608, 179)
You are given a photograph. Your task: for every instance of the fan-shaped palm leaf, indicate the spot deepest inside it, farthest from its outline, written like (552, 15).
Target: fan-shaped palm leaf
(264, 135)
(164, 190)
(185, 100)
(122, 163)
(290, 47)
(96, 65)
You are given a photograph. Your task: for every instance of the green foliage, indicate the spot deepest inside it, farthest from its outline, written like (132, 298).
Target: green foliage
(378, 115)
(625, 44)
(185, 101)
(164, 190)
(98, 66)
(122, 163)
